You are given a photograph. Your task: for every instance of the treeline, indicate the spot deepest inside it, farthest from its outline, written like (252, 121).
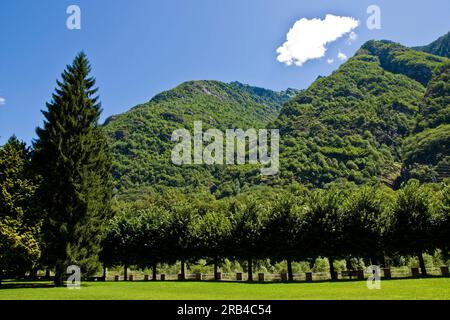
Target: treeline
(368, 222)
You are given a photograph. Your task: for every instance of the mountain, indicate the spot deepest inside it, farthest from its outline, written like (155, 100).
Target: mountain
(426, 154)
(384, 115)
(435, 105)
(395, 58)
(439, 47)
(141, 138)
(351, 126)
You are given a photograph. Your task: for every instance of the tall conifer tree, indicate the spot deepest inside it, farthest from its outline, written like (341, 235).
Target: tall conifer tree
(72, 156)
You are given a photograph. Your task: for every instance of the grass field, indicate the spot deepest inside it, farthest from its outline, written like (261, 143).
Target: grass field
(430, 288)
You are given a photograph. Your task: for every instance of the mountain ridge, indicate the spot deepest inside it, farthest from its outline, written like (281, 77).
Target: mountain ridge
(440, 46)
(356, 125)
(141, 143)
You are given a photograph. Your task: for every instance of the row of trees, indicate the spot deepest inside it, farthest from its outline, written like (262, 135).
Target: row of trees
(366, 222)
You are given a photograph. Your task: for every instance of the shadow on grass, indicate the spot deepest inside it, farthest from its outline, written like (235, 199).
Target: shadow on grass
(320, 281)
(32, 284)
(27, 284)
(18, 284)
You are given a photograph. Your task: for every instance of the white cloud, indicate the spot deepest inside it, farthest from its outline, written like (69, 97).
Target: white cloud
(307, 39)
(2, 101)
(342, 56)
(352, 36)
(330, 61)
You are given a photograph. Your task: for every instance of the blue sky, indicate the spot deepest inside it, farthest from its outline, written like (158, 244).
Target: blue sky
(138, 48)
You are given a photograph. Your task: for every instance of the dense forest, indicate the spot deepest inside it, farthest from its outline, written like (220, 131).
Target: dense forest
(356, 125)
(141, 138)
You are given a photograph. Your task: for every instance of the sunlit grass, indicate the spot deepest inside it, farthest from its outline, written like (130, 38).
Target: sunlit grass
(431, 288)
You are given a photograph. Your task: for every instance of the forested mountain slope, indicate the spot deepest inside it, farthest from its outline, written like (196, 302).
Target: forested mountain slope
(383, 115)
(426, 153)
(351, 125)
(141, 138)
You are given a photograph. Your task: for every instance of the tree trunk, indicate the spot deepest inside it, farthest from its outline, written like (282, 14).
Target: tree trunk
(289, 269)
(332, 272)
(183, 275)
(104, 273)
(59, 273)
(348, 264)
(250, 270)
(47, 273)
(154, 271)
(445, 253)
(215, 269)
(125, 273)
(58, 279)
(423, 269)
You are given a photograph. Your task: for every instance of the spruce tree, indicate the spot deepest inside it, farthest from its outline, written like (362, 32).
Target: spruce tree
(71, 154)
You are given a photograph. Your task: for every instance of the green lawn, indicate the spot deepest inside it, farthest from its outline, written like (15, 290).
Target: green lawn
(431, 288)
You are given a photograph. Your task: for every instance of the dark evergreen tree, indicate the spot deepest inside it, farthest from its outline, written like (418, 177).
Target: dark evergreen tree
(72, 156)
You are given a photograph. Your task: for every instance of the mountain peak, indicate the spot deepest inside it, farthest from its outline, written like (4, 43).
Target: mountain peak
(399, 59)
(439, 47)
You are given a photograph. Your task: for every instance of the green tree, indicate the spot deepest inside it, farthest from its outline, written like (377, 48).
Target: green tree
(152, 237)
(362, 225)
(72, 156)
(323, 227)
(249, 221)
(411, 226)
(19, 226)
(284, 232)
(212, 232)
(121, 243)
(181, 237)
(442, 235)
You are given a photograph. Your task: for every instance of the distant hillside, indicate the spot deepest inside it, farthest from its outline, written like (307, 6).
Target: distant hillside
(384, 115)
(351, 125)
(140, 138)
(426, 154)
(396, 58)
(440, 47)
